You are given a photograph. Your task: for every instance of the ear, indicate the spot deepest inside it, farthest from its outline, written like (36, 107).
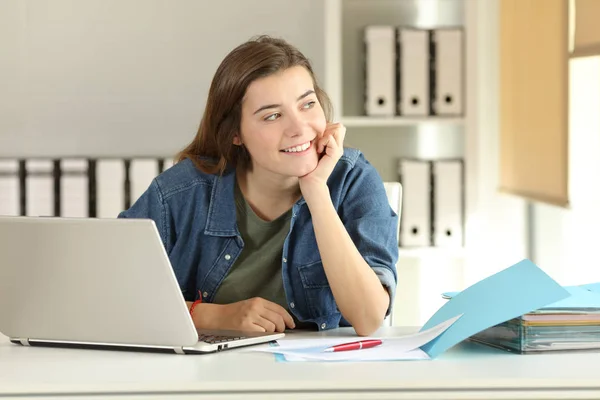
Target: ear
(237, 140)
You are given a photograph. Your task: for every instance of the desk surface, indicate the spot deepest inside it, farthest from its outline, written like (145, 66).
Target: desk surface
(466, 371)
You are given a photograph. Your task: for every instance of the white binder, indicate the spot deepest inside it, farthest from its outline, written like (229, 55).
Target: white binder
(110, 187)
(413, 68)
(74, 188)
(167, 163)
(141, 173)
(448, 203)
(449, 71)
(380, 69)
(393, 190)
(10, 192)
(415, 224)
(39, 186)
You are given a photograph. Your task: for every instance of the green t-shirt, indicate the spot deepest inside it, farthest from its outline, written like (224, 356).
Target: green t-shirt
(257, 271)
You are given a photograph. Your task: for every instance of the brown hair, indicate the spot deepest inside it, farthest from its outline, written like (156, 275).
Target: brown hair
(212, 149)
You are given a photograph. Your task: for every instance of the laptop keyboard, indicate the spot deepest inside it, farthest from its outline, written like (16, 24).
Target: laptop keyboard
(212, 339)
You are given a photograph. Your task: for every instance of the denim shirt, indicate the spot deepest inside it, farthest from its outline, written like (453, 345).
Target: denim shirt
(196, 218)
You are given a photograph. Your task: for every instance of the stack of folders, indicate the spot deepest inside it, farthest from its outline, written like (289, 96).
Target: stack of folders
(570, 324)
(75, 187)
(433, 202)
(413, 72)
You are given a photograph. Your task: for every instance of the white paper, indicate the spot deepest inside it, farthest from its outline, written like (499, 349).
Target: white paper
(374, 354)
(393, 348)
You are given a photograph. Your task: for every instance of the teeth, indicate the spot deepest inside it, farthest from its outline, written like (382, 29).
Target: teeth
(298, 148)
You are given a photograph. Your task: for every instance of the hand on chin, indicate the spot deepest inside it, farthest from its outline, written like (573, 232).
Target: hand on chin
(329, 148)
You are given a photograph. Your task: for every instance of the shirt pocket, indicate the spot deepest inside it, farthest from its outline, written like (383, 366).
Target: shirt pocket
(313, 275)
(318, 294)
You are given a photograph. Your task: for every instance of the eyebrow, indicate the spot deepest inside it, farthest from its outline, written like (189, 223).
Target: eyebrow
(267, 106)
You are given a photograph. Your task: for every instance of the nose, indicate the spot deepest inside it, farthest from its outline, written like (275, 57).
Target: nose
(296, 125)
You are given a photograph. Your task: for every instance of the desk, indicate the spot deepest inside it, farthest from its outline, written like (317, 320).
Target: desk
(467, 371)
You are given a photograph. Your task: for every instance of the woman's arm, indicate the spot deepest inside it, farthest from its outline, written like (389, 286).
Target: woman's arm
(358, 292)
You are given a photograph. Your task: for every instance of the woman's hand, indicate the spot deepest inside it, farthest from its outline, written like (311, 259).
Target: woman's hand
(255, 315)
(330, 147)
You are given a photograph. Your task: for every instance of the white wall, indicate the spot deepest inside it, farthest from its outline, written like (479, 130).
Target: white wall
(126, 77)
(566, 240)
(496, 223)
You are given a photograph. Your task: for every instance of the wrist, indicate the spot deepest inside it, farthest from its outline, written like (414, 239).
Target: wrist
(316, 194)
(206, 315)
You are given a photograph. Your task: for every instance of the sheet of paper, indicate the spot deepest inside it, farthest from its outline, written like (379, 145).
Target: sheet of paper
(374, 354)
(593, 287)
(579, 298)
(395, 348)
(583, 296)
(508, 294)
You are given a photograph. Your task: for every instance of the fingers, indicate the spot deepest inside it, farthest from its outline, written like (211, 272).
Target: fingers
(274, 318)
(265, 324)
(337, 131)
(287, 318)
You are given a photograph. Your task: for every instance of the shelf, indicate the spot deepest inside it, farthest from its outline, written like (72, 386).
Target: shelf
(365, 121)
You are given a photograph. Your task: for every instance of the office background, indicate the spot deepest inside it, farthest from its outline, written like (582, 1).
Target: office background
(128, 78)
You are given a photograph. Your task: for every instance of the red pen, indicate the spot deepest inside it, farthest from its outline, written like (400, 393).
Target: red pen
(362, 344)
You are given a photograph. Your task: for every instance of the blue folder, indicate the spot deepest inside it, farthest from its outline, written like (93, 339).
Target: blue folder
(508, 294)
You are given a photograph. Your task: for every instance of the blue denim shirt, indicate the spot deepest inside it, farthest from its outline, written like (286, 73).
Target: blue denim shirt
(196, 217)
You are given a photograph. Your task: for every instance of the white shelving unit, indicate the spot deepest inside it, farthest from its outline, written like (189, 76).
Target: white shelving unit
(375, 122)
(423, 273)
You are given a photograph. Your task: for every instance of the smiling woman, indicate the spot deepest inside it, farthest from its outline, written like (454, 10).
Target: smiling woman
(269, 222)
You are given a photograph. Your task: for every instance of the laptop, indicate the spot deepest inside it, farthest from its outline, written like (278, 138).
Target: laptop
(98, 283)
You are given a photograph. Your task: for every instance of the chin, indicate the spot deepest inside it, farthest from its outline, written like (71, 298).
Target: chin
(305, 169)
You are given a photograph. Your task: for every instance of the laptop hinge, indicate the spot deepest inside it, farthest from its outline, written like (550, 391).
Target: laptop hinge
(24, 342)
(179, 350)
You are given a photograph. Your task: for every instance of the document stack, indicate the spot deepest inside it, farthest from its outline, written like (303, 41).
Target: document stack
(569, 324)
(413, 72)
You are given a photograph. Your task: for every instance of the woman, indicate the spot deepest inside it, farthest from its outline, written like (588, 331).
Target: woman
(268, 221)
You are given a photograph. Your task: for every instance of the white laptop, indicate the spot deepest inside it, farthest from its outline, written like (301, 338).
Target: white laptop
(98, 283)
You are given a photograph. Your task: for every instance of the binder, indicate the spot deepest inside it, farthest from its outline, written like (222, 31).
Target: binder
(110, 187)
(74, 188)
(141, 174)
(393, 191)
(448, 203)
(167, 163)
(415, 224)
(380, 70)
(448, 71)
(10, 192)
(413, 72)
(39, 190)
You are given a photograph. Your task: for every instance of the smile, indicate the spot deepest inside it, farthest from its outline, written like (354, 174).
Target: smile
(301, 148)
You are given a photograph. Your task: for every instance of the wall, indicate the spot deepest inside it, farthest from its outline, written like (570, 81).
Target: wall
(496, 225)
(126, 77)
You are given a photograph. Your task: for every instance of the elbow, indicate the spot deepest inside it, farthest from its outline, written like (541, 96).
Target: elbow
(368, 326)
(369, 322)
(372, 319)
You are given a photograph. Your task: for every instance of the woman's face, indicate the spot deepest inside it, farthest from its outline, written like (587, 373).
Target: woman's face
(281, 118)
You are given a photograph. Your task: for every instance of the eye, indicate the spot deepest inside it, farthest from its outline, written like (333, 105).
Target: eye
(308, 105)
(272, 117)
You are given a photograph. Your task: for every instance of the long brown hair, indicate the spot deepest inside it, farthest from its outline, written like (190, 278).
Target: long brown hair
(212, 149)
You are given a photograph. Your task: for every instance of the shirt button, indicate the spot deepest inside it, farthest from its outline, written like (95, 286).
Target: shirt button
(204, 294)
(292, 305)
(284, 259)
(227, 257)
(323, 325)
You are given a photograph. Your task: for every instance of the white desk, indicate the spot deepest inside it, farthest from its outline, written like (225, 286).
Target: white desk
(468, 371)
